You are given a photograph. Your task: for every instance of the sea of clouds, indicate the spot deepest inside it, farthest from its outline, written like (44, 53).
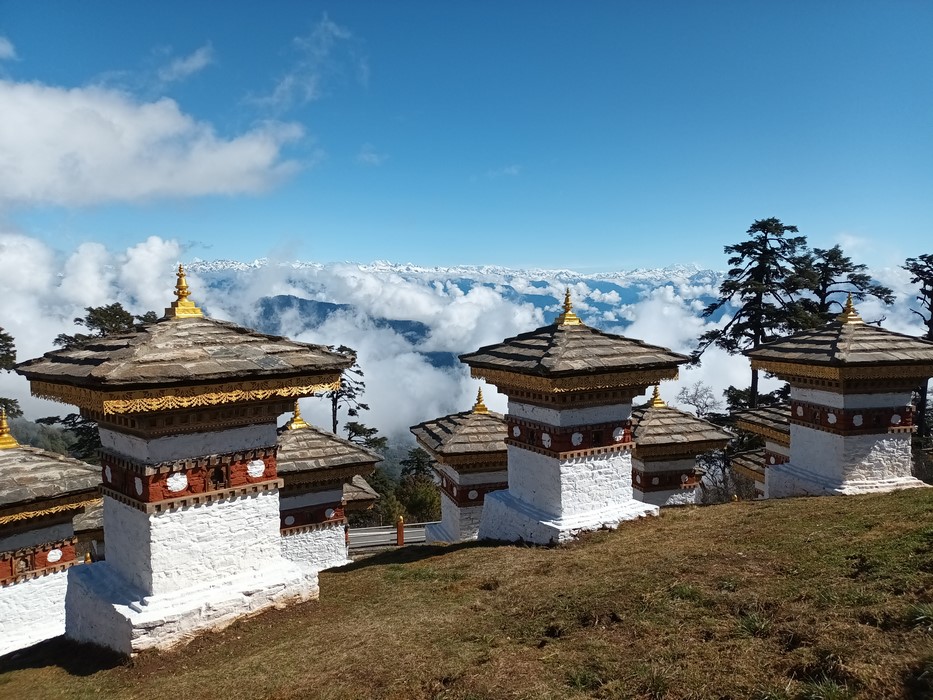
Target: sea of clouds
(43, 290)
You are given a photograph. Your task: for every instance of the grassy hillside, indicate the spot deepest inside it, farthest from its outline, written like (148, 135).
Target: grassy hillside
(802, 598)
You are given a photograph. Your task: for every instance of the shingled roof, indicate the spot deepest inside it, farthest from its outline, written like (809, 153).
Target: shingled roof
(846, 342)
(181, 350)
(29, 476)
(750, 464)
(475, 432)
(656, 424)
(772, 422)
(304, 448)
(567, 348)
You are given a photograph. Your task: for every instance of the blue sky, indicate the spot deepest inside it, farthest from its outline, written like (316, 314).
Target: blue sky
(595, 136)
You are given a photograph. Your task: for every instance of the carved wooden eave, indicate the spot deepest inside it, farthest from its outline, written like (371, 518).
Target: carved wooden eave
(684, 450)
(180, 397)
(771, 434)
(322, 479)
(791, 371)
(638, 380)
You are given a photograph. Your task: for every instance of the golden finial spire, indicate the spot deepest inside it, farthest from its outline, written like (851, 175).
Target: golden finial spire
(849, 314)
(297, 422)
(656, 400)
(182, 307)
(7, 441)
(568, 318)
(479, 406)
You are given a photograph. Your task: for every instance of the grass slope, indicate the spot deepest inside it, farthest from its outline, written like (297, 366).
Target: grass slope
(800, 598)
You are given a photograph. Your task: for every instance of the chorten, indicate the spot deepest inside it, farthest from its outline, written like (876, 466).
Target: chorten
(41, 494)
(470, 460)
(772, 425)
(851, 415)
(316, 466)
(569, 441)
(667, 443)
(187, 409)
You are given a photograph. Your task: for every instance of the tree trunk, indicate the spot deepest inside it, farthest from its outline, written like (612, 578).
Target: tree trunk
(753, 390)
(333, 412)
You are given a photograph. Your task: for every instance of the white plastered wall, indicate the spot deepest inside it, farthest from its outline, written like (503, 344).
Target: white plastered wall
(833, 399)
(169, 551)
(564, 418)
(32, 611)
(314, 550)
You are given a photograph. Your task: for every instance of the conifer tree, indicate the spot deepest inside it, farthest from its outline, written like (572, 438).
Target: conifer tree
(7, 360)
(103, 321)
(350, 390)
(834, 276)
(921, 273)
(367, 437)
(765, 283)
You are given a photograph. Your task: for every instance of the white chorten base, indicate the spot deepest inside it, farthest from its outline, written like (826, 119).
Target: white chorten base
(102, 608)
(787, 480)
(456, 524)
(316, 547)
(670, 497)
(508, 519)
(32, 611)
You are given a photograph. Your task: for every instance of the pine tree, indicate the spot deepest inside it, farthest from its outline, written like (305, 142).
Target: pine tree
(765, 282)
(350, 390)
(367, 437)
(7, 361)
(921, 272)
(834, 276)
(103, 321)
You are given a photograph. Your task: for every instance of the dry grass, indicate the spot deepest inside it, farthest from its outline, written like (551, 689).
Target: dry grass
(805, 598)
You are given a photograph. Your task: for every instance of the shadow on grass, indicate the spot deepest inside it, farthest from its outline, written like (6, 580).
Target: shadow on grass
(413, 553)
(72, 657)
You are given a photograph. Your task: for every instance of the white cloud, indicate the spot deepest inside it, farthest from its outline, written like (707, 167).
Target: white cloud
(7, 50)
(90, 145)
(186, 66)
(327, 52)
(368, 155)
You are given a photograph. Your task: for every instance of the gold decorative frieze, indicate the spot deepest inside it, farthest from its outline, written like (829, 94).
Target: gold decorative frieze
(507, 381)
(51, 510)
(790, 370)
(176, 397)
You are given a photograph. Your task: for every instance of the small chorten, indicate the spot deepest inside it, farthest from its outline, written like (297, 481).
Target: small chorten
(656, 400)
(851, 416)
(470, 460)
(7, 441)
(297, 422)
(568, 317)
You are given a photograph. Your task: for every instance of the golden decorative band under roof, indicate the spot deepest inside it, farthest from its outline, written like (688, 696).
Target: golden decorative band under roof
(7, 441)
(568, 318)
(145, 400)
(786, 370)
(182, 307)
(52, 510)
(561, 385)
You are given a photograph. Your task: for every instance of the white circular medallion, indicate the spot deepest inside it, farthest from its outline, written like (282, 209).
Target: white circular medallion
(799, 410)
(772, 460)
(53, 556)
(177, 482)
(638, 478)
(831, 418)
(576, 439)
(655, 481)
(473, 495)
(455, 490)
(139, 486)
(289, 519)
(516, 431)
(545, 440)
(618, 434)
(329, 513)
(895, 419)
(108, 475)
(256, 468)
(857, 420)
(684, 478)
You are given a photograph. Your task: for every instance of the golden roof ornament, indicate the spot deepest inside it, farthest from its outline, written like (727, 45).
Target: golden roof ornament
(568, 318)
(297, 422)
(7, 441)
(849, 314)
(479, 406)
(182, 307)
(656, 400)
